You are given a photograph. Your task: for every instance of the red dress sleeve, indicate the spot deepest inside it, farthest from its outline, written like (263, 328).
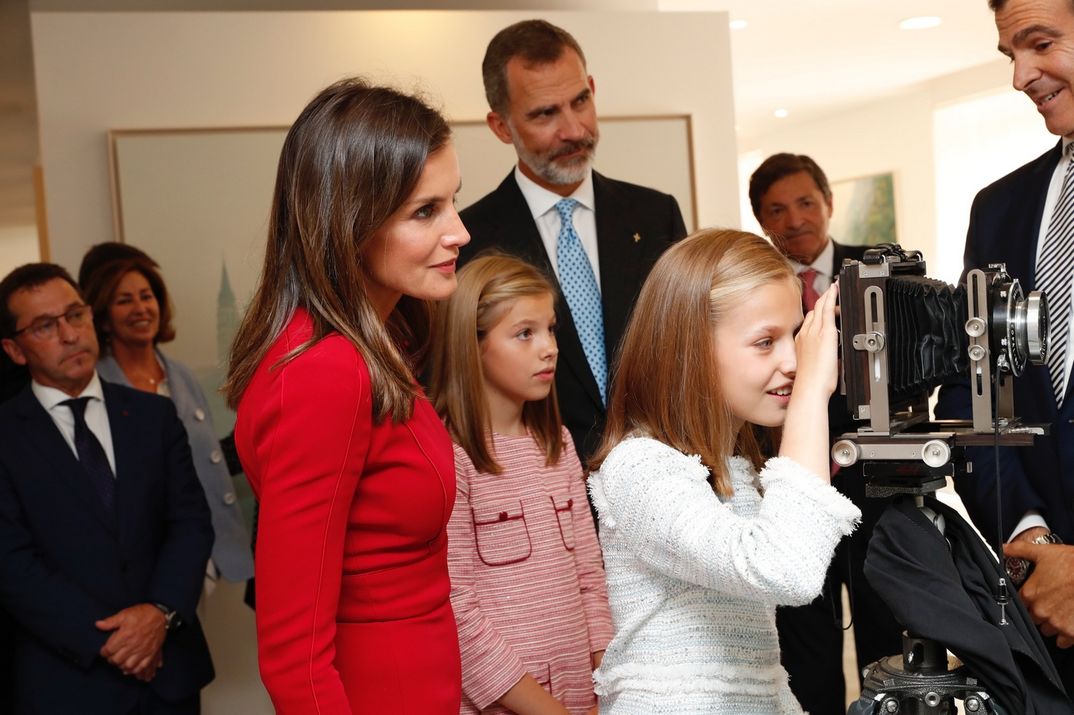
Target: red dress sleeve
(307, 426)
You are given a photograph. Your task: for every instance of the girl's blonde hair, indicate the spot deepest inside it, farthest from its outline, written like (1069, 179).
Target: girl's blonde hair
(487, 287)
(666, 385)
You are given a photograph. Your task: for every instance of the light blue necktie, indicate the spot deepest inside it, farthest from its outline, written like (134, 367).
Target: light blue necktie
(582, 294)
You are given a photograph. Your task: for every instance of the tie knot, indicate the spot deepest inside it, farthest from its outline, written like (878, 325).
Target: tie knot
(565, 207)
(78, 406)
(808, 275)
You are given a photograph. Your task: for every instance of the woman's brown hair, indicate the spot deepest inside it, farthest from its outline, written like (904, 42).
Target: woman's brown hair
(349, 161)
(100, 289)
(666, 384)
(487, 287)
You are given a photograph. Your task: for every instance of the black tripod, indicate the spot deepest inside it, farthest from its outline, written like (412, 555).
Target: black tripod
(919, 681)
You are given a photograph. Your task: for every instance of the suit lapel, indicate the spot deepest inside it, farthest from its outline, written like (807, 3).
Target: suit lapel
(516, 231)
(1018, 252)
(620, 250)
(521, 237)
(121, 421)
(1028, 208)
(47, 443)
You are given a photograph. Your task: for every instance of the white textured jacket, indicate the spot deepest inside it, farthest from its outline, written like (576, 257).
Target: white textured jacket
(693, 580)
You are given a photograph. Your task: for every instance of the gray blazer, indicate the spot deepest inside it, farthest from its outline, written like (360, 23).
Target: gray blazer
(231, 548)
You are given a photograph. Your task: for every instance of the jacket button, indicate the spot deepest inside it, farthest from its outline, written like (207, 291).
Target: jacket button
(570, 503)
(216, 457)
(503, 516)
(199, 415)
(229, 498)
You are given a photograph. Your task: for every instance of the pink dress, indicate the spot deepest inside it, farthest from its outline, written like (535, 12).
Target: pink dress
(527, 582)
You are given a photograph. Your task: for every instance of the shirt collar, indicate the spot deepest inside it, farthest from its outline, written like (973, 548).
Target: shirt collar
(541, 200)
(50, 397)
(822, 263)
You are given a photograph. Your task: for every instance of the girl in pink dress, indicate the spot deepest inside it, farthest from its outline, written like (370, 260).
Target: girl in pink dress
(527, 583)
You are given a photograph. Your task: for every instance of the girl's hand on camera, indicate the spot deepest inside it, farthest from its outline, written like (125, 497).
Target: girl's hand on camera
(816, 344)
(805, 431)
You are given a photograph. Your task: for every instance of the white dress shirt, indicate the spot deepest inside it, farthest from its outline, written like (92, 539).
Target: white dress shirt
(542, 203)
(96, 415)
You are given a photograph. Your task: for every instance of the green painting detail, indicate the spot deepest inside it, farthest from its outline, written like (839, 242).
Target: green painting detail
(864, 211)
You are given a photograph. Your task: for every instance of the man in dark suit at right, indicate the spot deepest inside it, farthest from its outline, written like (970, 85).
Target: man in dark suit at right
(597, 236)
(1024, 220)
(792, 201)
(104, 527)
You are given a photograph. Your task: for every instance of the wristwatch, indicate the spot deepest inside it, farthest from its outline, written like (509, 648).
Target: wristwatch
(1020, 569)
(172, 619)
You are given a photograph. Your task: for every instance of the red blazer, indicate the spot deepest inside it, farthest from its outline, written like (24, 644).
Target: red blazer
(353, 613)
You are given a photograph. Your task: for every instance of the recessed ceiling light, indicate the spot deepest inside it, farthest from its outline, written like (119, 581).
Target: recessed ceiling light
(780, 113)
(738, 24)
(921, 22)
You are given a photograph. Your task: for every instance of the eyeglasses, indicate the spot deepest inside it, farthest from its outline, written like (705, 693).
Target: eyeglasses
(45, 328)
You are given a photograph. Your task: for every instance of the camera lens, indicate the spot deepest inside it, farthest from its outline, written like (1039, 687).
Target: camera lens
(1021, 324)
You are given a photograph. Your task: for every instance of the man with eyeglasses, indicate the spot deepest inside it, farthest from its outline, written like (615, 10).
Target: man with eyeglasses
(104, 528)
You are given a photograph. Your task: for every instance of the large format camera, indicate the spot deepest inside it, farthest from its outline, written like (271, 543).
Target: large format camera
(904, 334)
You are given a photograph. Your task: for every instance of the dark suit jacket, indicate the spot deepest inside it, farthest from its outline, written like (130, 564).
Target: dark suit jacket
(1004, 226)
(65, 564)
(634, 226)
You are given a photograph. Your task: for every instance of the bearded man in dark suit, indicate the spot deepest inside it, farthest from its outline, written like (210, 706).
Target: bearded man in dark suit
(792, 201)
(1012, 221)
(542, 101)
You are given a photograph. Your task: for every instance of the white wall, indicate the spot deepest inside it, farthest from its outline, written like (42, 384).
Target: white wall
(101, 71)
(893, 135)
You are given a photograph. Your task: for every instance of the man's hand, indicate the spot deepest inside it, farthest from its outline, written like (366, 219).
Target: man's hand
(1049, 591)
(137, 637)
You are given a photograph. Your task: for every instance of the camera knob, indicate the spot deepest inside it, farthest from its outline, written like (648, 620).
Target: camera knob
(845, 453)
(977, 352)
(976, 327)
(935, 453)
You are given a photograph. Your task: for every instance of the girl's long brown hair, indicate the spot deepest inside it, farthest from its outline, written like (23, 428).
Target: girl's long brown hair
(666, 383)
(487, 286)
(349, 161)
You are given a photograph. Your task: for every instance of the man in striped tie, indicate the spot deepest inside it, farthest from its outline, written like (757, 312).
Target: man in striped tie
(1026, 220)
(792, 200)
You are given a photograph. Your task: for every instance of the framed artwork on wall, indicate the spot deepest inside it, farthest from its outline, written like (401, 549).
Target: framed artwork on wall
(864, 210)
(197, 201)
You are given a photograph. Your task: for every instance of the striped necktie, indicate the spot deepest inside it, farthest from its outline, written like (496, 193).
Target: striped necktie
(583, 296)
(1054, 273)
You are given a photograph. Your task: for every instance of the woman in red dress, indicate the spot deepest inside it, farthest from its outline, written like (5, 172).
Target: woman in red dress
(353, 470)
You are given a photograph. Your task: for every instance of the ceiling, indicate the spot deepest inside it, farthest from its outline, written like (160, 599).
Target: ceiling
(810, 58)
(821, 57)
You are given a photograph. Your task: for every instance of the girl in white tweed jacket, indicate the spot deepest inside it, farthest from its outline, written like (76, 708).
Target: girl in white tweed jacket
(698, 548)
